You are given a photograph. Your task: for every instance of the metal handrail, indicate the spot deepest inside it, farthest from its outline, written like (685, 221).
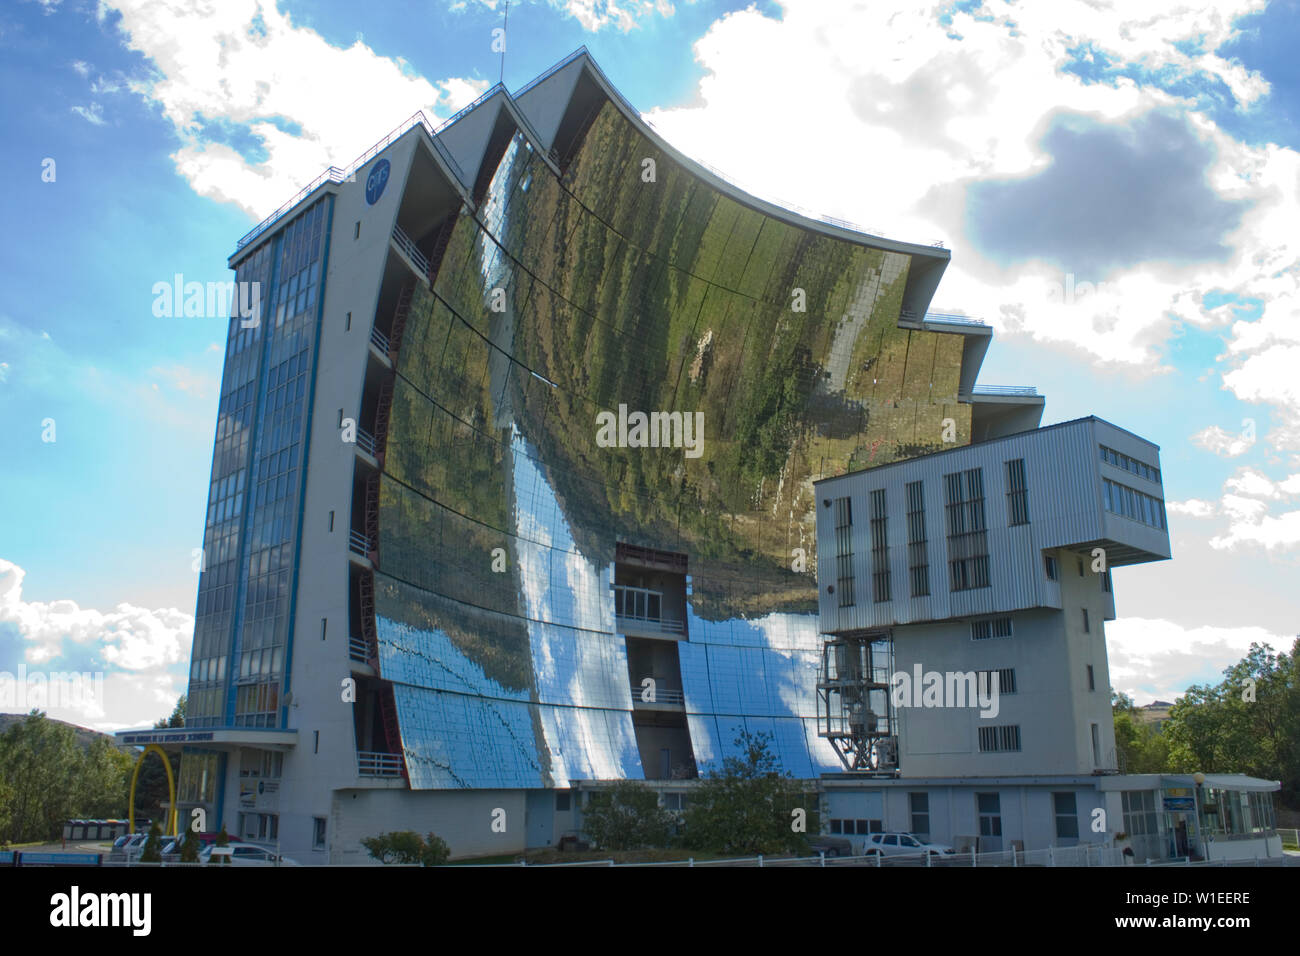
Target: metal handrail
(358, 543)
(372, 764)
(334, 174)
(663, 695)
(1004, 390)
(366, 441)
(408, 246)
(358, 649)
(380, 340)
(952, 318)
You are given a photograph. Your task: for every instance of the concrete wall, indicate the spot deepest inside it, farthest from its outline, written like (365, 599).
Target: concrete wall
(461, 817)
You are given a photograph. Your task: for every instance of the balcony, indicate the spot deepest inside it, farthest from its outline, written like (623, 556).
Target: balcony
(663, 696)
(359, 544)
(418, 260)
(371, 764)
(359, 650)
(366, 442)
(639, 611)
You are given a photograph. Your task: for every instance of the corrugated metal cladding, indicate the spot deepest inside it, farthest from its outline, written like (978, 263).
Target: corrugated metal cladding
(1063, 477)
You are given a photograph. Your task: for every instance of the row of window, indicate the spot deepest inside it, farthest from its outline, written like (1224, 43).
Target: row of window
(1065, 810)
(1119, 460)
(857, 827)
(1126, 501)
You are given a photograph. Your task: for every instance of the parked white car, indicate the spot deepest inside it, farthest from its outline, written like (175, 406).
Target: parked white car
(901, 844)
(245, 854)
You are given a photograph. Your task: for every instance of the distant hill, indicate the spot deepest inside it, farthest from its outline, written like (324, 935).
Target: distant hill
(84, 734)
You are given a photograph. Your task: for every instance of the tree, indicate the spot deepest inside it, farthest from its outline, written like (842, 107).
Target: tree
(407, 846)
(190, 846)
(749, 806)
(627, 816)
(152, 852)
(151, 787)
(1140, 747)
(39, 762)
(1249, 723)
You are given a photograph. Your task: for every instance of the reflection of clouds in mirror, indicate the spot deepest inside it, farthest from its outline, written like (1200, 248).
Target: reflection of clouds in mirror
(612, 299)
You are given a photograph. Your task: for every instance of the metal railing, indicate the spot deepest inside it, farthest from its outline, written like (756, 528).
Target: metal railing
(379, 339)
(625, 608)
(334, 174)
(418, 258)
(662, 695)
(952, 318)
(358, 543)
(1004, 390)
(359, 650)
(371, 764)
(366, 441)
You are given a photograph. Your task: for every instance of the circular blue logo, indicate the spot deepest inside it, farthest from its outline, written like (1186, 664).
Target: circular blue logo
(376, 182)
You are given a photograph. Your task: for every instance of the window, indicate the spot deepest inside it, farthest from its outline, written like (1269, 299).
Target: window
(348, 326)
(1017, 494)
(1006, 678)
(331, 522)
(920, 807)
(356, 233)
(1080, 560)
(1001, 738)
(879, 547)
(918, 563)
(1066, 809)
(989, 808)
(562, 801)
(323, 623)
(1086, 628)
(315, 746)
(1122, 500)
(1131, 465)
(318, 833)
(1053, 573)
(1096, 745)
(1105, 580)
(844, 550)
(968, 553)
(990, 628)
(1092, 685)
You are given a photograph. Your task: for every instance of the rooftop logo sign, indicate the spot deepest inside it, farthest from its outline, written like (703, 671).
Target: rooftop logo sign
(376, 181)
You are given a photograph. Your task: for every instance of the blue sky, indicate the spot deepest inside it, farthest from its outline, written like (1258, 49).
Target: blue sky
(1162, 160)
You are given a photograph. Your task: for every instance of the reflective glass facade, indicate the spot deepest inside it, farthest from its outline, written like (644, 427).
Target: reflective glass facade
(243, 620)
(562, 297)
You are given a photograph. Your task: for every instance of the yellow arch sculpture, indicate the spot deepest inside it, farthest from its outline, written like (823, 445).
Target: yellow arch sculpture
(171, 787)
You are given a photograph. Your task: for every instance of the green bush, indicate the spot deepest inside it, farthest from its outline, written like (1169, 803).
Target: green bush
(627, 816)
(407, 846)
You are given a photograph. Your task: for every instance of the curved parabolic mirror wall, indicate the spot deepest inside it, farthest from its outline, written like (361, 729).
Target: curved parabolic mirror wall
(565, 297)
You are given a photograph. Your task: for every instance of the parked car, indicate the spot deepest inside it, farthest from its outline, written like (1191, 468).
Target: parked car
(902, 844)
(831, 845)
(245, 854)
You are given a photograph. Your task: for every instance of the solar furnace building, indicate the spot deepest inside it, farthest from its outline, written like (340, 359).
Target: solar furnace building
(512, 481)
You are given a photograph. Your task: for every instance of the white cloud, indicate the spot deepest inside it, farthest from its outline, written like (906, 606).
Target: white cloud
(896, 119)
(1193, 507)
(595, 15)
(1248, 503)
(244, 64)
(93, 114)
(1223, 443)
(82, 67)
(127, 637)
(1153, 658)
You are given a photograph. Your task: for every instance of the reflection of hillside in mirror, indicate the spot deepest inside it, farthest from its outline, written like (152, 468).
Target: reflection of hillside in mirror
(558, 299)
